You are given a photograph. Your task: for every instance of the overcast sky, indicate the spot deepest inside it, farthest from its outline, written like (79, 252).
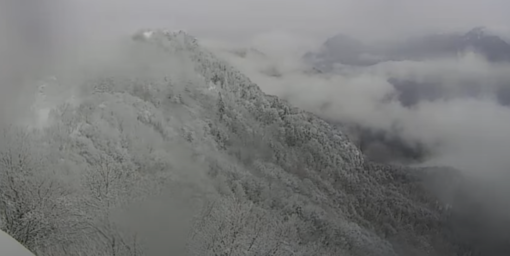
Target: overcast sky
(364, 18)
(271, 22)
(288, 22)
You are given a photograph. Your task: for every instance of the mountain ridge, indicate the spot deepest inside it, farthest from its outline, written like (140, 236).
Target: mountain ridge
(268, 178)
(343, 49)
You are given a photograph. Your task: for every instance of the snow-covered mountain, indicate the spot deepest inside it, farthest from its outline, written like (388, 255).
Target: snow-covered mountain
(422, 70)
(344, 50)
(172, 150)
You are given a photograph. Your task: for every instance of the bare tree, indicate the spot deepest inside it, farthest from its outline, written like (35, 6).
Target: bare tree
(32, 199)
(109, 188)
(233, 226)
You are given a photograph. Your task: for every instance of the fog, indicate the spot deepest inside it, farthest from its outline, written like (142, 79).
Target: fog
(44, 34)
(368, 18)
(463, 128)
(469, 132)
(464, 131)
(376, 19)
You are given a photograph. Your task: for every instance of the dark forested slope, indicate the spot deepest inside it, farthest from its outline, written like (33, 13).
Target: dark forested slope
(170, 150)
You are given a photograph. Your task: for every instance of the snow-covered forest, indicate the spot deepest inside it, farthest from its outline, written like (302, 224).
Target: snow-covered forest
(175, 152)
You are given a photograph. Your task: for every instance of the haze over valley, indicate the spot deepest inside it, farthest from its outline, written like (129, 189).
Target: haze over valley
(255, 127)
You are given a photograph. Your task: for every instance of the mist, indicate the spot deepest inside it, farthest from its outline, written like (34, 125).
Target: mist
(469, 132)
(463, 130)
(72, 33)
(234, 19)
(464, 126)
(55, 33)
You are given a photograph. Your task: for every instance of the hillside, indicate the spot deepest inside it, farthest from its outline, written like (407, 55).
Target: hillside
(174, 151)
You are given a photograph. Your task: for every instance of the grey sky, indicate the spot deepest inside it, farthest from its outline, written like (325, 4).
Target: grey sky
(375, 18)
(92, 19)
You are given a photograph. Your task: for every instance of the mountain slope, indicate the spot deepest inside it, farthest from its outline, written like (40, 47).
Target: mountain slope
(171, 146)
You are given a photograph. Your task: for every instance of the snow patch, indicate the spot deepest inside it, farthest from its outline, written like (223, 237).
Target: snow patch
(148, 34)
(50, 94)
(10, 247)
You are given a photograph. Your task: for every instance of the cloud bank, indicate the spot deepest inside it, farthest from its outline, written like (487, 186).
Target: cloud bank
(69, 31)
(467, 131)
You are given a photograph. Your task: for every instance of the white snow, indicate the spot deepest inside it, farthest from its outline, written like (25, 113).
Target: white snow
(148, 34)
(50, 94)
(11, 247)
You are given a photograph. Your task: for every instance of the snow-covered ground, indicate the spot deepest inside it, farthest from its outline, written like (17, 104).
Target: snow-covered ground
(11, 247)
(49, 95)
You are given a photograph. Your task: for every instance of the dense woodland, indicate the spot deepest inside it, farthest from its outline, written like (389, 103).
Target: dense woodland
(175, 152)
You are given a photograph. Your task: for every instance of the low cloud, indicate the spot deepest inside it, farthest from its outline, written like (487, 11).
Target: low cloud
(464, 130)
(449, 125)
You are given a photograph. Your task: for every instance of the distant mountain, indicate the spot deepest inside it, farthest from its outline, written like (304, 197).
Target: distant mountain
(341, 49)
(479, 40)
(344, 50)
